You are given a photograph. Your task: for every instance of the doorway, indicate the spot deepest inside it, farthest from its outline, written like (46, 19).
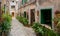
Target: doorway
(32, 15)
(12, 14)
(25, 14)
(46, 16)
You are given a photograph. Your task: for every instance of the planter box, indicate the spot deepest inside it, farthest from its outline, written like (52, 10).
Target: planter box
(5, 33)
(27, 25)
(38, 34)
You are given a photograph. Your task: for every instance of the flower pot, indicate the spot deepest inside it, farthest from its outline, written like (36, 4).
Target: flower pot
(38, 34)
(5, 33)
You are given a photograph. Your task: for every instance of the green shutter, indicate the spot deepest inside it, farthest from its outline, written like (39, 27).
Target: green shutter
(24, 1)
(46, 16)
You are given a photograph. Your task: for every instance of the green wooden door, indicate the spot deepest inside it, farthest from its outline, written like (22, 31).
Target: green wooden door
(46, 16)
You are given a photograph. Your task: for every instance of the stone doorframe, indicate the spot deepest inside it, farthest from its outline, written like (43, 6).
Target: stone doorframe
(47, 7)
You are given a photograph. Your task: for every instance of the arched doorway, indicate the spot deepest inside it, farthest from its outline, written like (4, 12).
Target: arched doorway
(12, 14)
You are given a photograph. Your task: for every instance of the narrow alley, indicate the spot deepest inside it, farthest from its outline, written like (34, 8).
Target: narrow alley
(17, 29)
(29, 17)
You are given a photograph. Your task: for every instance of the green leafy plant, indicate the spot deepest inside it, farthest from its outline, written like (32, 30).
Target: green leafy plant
(22, 20)
(6, 24)
(43, 31)
(37, 28)
(57, 26)
(25, 21)
(49, 32)
(6, 17)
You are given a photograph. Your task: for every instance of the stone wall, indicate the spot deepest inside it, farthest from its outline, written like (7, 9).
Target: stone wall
(55, 3)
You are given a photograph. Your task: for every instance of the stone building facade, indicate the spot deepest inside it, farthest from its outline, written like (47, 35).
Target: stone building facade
(35, 9)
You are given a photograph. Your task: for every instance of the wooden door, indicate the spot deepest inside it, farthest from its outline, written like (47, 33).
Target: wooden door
(12, 14)
(32, 15)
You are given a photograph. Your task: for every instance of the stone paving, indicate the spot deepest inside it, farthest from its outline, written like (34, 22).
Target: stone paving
(17, 29)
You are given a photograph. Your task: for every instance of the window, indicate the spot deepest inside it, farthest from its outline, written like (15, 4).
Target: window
(46, 16)
(25, 14)
(13, 1)
(12, 6)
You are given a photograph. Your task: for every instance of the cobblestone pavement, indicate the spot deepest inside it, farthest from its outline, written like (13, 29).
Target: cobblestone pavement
(17, 29)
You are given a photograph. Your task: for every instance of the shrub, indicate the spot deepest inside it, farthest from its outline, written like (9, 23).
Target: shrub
(48, 32)
(6, 17)
(22, 20)
(6, 24)
(38, 28)
(25, 21)
(42, 30)
(57, 26)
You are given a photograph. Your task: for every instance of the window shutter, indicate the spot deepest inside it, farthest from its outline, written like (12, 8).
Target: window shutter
(24, 1)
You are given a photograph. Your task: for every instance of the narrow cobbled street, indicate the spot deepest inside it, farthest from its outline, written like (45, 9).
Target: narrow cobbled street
(17, 29)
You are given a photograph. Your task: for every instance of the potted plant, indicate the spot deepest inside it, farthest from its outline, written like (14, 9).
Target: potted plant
(58, 28)
(25, 22)
(42, 30)
(6, 24)
(38, 29)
